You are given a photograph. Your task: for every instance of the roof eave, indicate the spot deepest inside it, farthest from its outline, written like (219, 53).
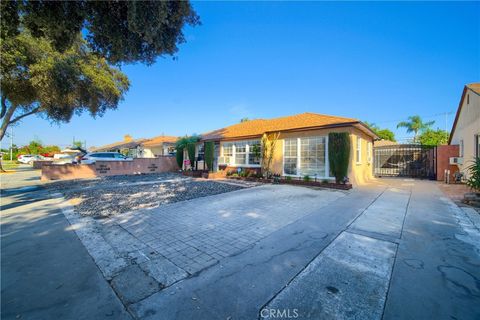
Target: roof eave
(457, 115)
(327, 126)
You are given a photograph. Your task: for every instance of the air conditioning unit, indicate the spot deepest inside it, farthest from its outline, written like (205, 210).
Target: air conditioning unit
(456, 160)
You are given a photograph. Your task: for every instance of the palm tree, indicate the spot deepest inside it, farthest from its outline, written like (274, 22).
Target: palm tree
(415, 124)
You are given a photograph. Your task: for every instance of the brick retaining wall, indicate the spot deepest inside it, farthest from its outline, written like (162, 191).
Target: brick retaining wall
(109, 168)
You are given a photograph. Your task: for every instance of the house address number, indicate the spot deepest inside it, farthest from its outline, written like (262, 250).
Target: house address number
(102, 168)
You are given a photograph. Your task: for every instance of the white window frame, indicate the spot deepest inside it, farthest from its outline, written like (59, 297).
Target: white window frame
(369, 152)
(233, 161)
(299, 159)
(358, 150)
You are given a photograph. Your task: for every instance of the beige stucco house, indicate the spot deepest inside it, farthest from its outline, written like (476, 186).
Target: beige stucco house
(159, 146)
(301, 148)
(128, 146)
(142, 148)
(466, 127)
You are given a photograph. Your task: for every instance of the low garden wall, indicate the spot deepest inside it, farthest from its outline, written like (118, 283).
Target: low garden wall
(40, 163)
(108, 168)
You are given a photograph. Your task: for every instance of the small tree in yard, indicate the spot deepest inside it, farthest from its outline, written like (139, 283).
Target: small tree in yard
(269, 141)
(474, 177)
(339, 154)
(209, 149)
(179, 157)
(182, 144)
(191, 153)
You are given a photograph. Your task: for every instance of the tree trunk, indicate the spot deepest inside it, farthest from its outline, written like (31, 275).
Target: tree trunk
(6, 121)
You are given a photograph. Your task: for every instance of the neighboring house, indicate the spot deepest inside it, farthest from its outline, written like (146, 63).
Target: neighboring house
(466, 127)
(301, 148)
(130, 147)
(383, 143)
(159, 146)
(142, 148)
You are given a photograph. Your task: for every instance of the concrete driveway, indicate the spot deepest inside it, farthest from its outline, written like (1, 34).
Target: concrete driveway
(397, 249)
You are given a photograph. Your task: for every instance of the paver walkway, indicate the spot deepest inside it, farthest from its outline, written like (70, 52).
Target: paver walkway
(198, 233)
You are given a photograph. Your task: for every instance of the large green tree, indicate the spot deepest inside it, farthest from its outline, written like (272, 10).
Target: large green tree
(38, 79)
(384, 134)
(431, 137)
(415, 125)
(60, 58)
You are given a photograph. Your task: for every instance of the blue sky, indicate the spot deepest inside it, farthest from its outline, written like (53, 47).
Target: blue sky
(378, 62)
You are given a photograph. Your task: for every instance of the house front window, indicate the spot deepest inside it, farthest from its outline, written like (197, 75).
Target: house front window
(306, 156)
(254, 152)
(290, 157)
(201, 152)
(369, 152)
(358, 150)
(312, 156)
(227, 153)
(241, 153)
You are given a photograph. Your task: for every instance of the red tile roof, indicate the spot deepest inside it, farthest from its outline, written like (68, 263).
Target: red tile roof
(258, 127)
(159, 140)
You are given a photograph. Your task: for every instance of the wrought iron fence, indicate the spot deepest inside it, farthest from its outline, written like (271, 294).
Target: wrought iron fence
(405, 160)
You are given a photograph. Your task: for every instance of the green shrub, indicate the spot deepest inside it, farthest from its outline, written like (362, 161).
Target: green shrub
(474, 176)
(339, 154)
(209, 154)
(288, 178)
(179, 157)
(191, 153)
(307, 178)
(325, 181)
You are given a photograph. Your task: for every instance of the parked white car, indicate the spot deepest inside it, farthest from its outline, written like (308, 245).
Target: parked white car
(92, 157)
(29, 158)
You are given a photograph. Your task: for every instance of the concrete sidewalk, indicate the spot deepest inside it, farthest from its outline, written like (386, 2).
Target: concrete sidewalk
(437, 268)
(46, 272)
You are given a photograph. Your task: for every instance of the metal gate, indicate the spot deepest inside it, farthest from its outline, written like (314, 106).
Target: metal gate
(405, 160)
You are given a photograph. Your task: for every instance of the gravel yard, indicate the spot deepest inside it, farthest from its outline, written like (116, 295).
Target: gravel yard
(115, 195)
